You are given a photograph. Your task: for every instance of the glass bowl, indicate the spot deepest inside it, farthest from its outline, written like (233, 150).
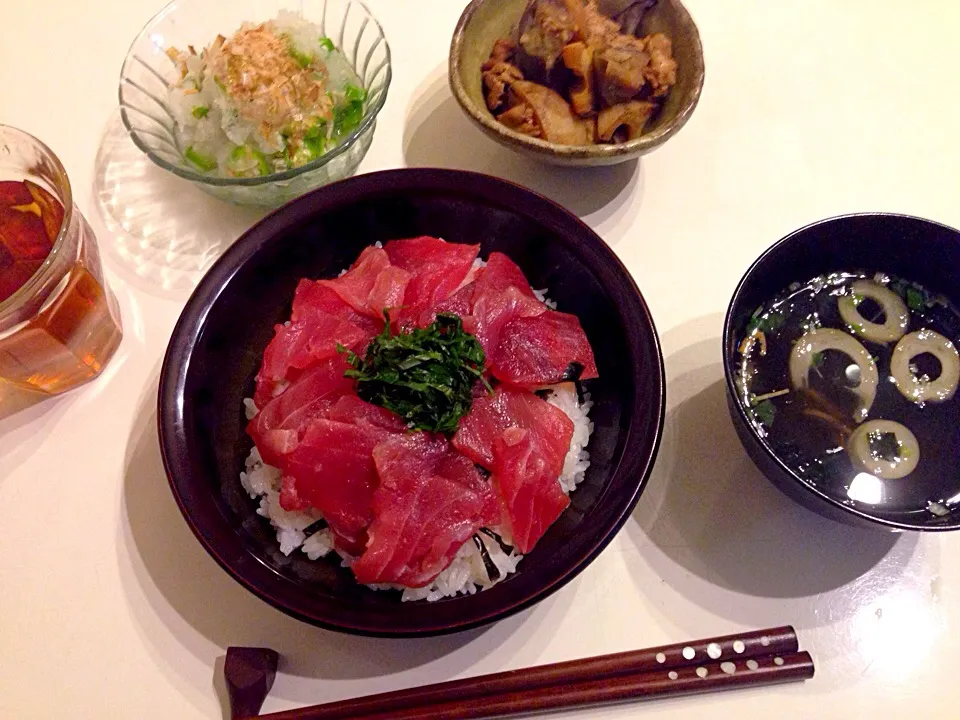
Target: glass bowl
(147, 73)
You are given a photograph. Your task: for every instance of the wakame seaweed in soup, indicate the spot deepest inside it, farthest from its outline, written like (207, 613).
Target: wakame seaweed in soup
(851, 379)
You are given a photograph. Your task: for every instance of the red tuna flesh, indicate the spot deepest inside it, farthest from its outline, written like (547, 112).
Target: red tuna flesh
(430, 501)
(277, 427)
(437, 269)
(528, 488)
(490, 416)
(536, 351)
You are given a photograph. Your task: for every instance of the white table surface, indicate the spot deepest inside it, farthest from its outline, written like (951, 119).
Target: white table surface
(110, 609)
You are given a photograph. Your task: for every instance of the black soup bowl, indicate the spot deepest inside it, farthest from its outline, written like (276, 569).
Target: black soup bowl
(911, 248)
(216, 349)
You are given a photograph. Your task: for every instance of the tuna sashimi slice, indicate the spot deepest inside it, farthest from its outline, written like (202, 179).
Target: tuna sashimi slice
(388, 290)
(351, 409)
(333, 471)
(316, 295)
(304, 342)
(490, 416)
(501, 272)
(437, 267)
(528, 488)
(278, 426)
(460, 304)
(543, 350)
(355, 285)
(430, 501)
(494, 308)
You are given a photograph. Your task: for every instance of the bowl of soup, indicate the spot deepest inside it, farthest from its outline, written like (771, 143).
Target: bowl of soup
(842, 369)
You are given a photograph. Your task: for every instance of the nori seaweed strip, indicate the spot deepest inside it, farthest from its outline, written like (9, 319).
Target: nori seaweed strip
(314, 528)
(499, 540)
(493, 572)
(573, 372)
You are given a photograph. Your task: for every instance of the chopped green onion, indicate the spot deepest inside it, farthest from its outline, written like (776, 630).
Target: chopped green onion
(303, 59)
(767, 322)
(327, 44)
(315, 145)
(318, 129)
(765, 412)
(205, 162)
(915, 299)
(348, 115)
(200, 111)
(244, 152)
(354, 94)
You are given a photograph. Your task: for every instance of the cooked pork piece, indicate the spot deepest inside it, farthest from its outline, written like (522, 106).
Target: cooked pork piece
(496, 80)
(522, 119)
(661, 73)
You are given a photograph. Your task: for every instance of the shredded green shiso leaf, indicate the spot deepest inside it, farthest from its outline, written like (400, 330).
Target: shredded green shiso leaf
(426, 376)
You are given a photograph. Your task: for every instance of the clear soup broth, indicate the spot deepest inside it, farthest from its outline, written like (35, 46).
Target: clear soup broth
(851, 379)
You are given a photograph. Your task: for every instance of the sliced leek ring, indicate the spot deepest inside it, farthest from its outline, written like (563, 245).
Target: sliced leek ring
(858, 447)
(820, 339)
(914, 388)
(897, 316)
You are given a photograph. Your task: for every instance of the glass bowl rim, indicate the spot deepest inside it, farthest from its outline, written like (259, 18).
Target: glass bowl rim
(184, 171)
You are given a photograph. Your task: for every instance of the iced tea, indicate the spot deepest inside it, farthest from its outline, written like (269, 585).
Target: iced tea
(59, 324)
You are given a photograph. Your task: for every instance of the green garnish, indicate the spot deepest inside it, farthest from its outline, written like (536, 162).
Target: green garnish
(354, 94)
(315, 139)
(245, 152)
(915, 299)
(303, 59)
(315, 145)
(816, 360)
(203, 161)
(200, 111)
(767, 322)
(884, 445)
(347, 115)
(426, 376)
(765, 412)
(327, 44)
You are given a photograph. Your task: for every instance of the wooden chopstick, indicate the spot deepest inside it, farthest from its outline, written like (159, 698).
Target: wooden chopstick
(605, 678)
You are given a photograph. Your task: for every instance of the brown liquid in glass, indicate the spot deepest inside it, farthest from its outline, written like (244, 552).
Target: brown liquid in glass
(70, 339)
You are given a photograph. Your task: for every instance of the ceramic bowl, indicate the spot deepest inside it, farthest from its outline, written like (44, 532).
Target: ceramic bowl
(484, 21)
(216, 348)
(147, 73)
(912, 248)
